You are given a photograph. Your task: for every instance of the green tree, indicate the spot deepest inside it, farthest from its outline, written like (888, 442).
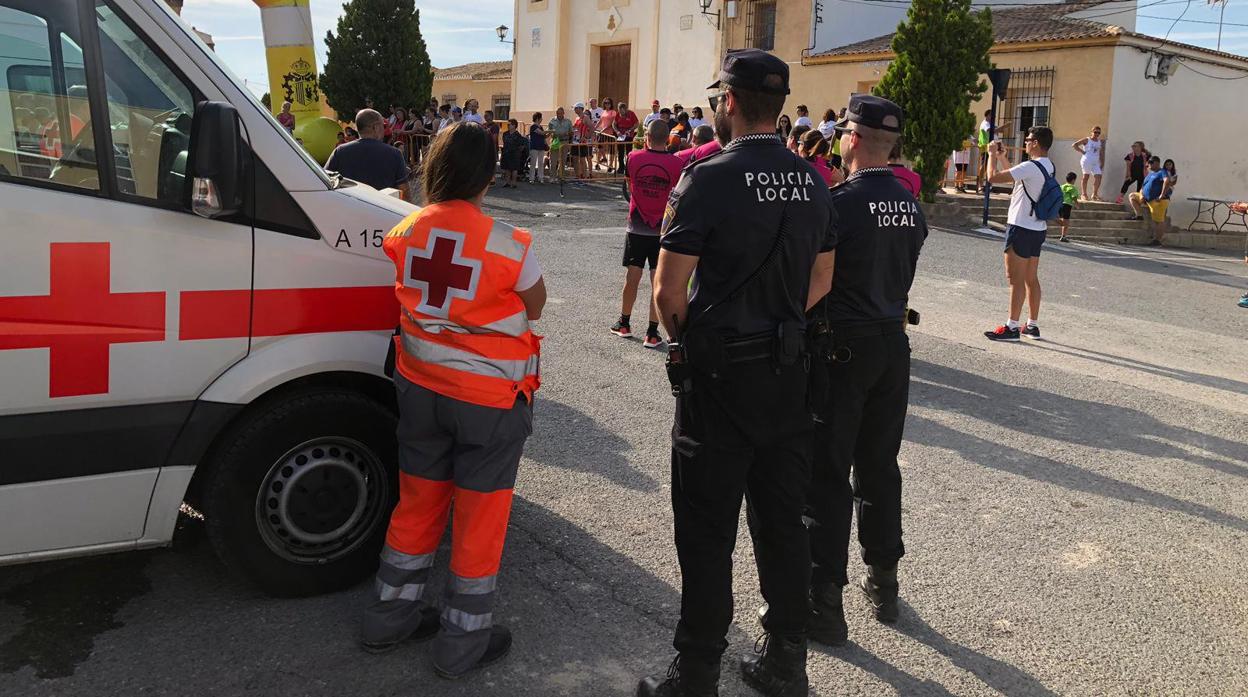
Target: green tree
(377, 54)
(941, 53)
(267, 101)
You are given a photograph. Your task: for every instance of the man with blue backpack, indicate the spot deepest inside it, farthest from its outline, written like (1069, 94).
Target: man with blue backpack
(1036, 199)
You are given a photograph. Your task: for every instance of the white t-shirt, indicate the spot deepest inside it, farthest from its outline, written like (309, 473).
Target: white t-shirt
(649, 118)
(827, 128)
(804, 121)
(530, 271)
(1027, 175)
(694, 123)
(597, 112)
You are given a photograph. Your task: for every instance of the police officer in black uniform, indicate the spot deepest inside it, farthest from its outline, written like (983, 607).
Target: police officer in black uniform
(755, 222)
(861, 372)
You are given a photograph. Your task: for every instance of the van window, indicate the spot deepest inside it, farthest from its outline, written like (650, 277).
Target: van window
(150, 108)
(44, 109)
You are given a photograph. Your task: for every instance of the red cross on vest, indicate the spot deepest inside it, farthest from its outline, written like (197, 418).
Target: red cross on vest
(441, 272)
(79, 319)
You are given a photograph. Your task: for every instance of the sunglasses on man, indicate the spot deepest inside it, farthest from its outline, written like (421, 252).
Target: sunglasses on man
(716, 98)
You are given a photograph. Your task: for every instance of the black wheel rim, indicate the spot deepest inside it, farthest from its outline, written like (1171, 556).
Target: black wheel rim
(321, 500)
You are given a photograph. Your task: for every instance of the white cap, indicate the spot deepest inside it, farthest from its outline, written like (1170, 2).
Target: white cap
(579, 105)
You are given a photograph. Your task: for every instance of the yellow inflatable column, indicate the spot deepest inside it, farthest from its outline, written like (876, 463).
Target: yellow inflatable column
(292, 72)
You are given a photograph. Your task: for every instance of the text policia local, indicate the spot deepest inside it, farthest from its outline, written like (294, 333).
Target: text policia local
(780, 186)
(894, 213)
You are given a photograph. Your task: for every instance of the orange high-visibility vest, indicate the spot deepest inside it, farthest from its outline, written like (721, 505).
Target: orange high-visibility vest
(464, 331)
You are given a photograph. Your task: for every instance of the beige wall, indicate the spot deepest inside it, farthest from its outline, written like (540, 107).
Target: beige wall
(1082, 82)
(481, 90)
(1192, 119)
(671, 60)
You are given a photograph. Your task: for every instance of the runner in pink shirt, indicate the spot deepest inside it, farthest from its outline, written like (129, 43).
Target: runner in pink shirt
(704, 144)
(652, 173)
(909, 178)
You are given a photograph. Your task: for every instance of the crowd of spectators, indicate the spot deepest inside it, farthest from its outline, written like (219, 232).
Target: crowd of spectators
(593, 141)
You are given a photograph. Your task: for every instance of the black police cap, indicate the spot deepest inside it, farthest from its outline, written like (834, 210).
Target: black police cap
(873, 112)
(750, 68)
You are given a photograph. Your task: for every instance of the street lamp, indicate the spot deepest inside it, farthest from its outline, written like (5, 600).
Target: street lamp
(706, 6)
(502, 34)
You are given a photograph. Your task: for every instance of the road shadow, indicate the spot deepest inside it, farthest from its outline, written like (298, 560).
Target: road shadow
(1190, 377)
(556, 425)
(587, 620)
(1141, 262)
(902, 682)
(1066, 419)
(1005, 678)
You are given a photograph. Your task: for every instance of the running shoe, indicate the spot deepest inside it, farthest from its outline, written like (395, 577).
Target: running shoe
(1243, 302)
(1031, 331)
(653, 341)
(622, 330)
(1118, 200)
(1002, 333)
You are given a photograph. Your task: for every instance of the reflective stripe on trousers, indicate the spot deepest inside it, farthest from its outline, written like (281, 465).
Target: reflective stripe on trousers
(467, 616)
(400, 586)
(466, 361)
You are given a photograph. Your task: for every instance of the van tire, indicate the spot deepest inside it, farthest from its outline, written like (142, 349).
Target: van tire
(261, 451)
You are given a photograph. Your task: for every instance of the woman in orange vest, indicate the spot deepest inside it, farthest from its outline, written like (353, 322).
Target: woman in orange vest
(466, 369)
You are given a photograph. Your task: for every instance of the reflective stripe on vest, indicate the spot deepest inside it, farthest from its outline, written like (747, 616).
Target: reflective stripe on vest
(467, 362)
(502, 242)
(515, 325)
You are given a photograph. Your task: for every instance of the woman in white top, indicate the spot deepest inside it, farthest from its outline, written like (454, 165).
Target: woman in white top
(1091, 161)
(827, 126)
(695, 117)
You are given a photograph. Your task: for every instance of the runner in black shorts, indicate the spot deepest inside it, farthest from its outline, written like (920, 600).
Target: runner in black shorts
(651, 175)
(641, 250)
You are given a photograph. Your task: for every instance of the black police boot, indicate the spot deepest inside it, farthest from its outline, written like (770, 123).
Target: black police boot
(826, 624)
(827, 615)
(880, 587)
(686, 677)
(778, 668)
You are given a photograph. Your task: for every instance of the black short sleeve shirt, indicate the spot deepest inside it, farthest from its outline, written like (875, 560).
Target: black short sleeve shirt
(727, 211)
(882, 232)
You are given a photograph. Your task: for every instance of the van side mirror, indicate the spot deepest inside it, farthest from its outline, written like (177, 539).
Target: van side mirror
(217, 161)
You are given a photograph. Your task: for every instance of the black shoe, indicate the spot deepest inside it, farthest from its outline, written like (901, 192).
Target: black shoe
(880, 587)
(685, 678)
(495, 651)
(827, 616)
(1031, 331)
(1154, 243)
(426, 630)
(1002, 333)
(622, 330)
(778, 666)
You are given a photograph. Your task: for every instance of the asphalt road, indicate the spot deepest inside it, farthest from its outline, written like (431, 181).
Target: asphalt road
(1076, 510)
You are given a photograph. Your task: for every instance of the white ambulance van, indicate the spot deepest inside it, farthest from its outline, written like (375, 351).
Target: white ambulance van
(191, 310)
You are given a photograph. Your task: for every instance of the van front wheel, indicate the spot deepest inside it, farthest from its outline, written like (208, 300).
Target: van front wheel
(300, 492)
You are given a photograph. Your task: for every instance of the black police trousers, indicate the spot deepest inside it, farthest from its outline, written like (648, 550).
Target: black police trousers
(860, 425)
(746, 433)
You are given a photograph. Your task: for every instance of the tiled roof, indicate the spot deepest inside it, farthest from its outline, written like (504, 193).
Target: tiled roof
(490, 70)
(1046, 22)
